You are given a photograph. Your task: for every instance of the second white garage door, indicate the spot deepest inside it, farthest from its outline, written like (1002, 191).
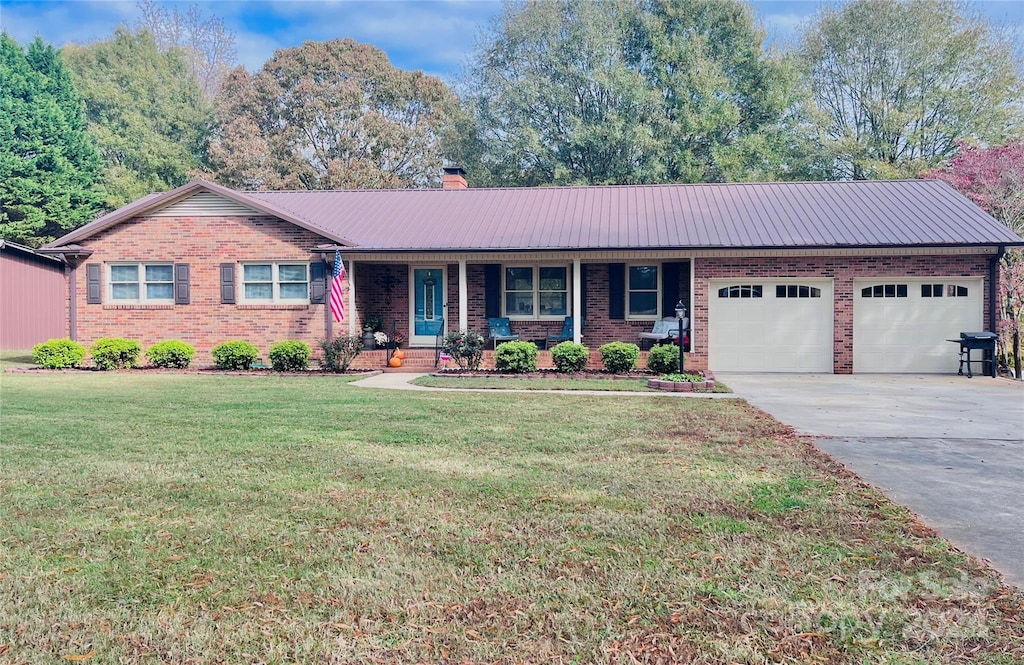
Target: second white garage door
(770, 326)
(902, 325)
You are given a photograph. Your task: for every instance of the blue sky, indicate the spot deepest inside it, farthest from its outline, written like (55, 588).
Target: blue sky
(433, 35)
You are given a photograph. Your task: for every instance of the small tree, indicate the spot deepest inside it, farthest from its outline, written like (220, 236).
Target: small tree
(340, 352)
(993, 178)
(466, 348)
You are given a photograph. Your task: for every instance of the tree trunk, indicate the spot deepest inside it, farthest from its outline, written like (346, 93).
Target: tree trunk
(1016, 354)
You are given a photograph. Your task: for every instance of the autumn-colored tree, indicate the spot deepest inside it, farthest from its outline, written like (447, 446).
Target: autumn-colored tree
(207, 44)
(993, 177)
(331, 115)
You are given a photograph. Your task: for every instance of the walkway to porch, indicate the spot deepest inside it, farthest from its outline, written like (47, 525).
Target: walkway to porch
(422, 360)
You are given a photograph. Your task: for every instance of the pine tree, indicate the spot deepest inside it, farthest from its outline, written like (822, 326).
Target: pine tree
(49, 166)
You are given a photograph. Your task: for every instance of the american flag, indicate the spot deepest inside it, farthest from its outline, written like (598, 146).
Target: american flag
(337, 297)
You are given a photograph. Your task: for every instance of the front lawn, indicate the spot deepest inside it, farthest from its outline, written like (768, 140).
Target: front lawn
(188, 518)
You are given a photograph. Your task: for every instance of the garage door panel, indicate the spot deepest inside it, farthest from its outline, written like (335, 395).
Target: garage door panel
(908, 335)
(770, 333)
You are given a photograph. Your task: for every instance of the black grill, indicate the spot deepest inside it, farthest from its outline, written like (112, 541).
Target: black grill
(977, 341)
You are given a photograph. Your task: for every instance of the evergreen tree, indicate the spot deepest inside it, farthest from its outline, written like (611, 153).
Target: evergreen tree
(49, 165)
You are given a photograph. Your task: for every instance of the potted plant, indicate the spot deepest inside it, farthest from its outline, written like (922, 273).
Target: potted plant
(371, 324)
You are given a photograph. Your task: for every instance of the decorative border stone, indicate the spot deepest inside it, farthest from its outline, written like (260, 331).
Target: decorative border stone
(683, 386)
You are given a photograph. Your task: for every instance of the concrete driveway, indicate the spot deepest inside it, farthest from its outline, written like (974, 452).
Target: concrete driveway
(949, 448)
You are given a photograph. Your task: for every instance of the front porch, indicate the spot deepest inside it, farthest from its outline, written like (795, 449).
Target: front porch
(415, 297)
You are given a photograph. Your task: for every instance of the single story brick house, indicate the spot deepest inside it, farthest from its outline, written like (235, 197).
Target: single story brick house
(794, 277)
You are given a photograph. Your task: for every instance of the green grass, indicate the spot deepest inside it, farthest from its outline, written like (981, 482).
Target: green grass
(11, 359)
(188, 518)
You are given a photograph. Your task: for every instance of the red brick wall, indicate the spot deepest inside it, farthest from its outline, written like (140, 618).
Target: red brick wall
(842, 270)
(204, 243)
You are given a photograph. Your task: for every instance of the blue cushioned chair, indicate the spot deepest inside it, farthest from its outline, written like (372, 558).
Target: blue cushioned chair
(500, 330)
(565, 335)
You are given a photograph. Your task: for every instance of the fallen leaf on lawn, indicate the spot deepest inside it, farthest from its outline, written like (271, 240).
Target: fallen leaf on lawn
(80, 656)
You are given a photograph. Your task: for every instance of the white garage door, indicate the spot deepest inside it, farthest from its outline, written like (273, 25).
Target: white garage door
(770, 326)
(902, 325)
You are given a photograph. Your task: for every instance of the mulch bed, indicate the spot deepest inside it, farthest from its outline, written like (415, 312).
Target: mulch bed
(191, 370)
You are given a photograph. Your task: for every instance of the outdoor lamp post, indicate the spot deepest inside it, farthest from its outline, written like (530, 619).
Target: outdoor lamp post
(681, 314)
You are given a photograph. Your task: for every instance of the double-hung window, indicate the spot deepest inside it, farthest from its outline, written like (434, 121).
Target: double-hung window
(141, 282)
(275, 283)
(642, 294)
(536, 292)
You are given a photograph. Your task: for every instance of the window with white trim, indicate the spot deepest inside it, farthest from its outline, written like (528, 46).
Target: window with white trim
(536, 292)
(141, 282)
(643, 292)
(275, 283)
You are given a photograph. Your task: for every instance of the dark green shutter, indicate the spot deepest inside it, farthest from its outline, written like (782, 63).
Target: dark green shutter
(318, 283)
(492, 290)
(93, 283)
(670, 287)
(182, 295)
(617, 291)
(227, 283)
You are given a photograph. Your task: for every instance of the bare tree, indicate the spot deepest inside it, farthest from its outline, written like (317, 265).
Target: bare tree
(208, 44)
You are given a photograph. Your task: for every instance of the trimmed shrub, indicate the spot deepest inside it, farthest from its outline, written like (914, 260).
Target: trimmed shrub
(235, 354)
(115, 353)
(465, 348)
(289, 356)
(570, 357)
(619, 357)
(58, 353)
(516, 357)
(171, 353)
(340, 352)
(663, 359)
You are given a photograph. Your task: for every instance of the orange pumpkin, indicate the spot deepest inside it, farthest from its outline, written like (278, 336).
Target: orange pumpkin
(395, 362)
(400, 354)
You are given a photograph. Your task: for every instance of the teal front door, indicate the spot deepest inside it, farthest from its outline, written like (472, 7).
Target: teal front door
(428, 303)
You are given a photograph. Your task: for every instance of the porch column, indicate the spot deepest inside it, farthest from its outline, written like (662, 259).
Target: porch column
(463, 297)
(577, 301)
(351, 297)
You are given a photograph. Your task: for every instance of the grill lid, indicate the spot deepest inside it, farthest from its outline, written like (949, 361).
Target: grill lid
(978, 335)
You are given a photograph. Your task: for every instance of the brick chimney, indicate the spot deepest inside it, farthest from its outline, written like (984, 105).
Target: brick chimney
(454, 178)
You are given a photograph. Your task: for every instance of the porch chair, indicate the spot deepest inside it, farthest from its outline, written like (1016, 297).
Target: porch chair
(563, 336)
(665, 330)
(500, 330)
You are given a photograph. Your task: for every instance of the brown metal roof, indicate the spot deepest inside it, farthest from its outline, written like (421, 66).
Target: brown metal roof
(754, 215)
(764, 215)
